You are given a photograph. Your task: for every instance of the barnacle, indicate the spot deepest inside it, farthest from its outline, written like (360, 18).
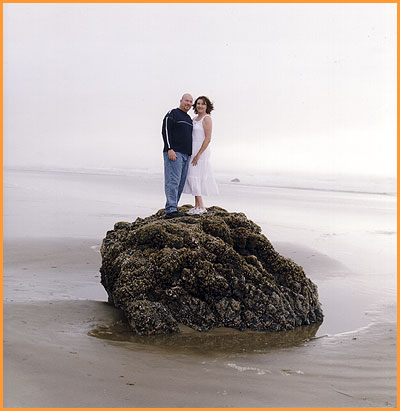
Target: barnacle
(204, 271)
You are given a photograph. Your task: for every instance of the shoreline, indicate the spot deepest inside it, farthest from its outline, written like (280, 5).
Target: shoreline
(158, 175)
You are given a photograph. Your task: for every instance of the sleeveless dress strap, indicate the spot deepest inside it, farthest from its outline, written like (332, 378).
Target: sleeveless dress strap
(200, 121)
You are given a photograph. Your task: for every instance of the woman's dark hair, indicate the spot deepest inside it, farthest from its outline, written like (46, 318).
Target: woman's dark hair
(210, 106)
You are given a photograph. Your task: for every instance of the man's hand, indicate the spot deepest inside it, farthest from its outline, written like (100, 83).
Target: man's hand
(172, 155)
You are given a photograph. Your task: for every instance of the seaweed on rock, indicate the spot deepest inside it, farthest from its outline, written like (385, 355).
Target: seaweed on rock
(212, 270)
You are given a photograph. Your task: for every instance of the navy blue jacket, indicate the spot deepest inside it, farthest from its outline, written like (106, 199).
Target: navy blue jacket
(177, 131)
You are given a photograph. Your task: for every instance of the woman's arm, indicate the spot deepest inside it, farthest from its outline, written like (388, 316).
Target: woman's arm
(207, 125)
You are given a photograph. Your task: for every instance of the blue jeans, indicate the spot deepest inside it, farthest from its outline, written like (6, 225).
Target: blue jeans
(175, 173)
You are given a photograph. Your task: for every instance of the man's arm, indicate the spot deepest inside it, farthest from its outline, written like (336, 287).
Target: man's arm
(169, 120)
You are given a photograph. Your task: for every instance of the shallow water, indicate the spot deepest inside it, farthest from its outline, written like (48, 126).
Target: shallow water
(214, 342)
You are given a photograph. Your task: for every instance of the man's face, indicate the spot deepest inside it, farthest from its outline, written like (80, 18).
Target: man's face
(186, 102)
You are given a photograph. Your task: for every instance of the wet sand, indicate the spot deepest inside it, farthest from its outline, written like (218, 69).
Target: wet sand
(64, 346)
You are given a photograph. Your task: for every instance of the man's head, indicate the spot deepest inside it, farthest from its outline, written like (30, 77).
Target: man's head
(186, 102)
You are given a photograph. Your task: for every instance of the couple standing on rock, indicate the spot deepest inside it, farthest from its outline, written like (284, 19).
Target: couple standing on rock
(186, 154)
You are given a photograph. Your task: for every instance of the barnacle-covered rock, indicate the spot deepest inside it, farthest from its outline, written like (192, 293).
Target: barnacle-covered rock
(212, 270)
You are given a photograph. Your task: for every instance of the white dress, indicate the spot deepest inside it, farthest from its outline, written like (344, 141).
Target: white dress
(200, 180)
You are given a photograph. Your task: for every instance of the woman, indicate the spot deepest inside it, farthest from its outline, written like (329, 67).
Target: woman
(200, 180)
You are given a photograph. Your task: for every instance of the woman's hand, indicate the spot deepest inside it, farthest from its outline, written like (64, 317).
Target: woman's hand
(195, 160)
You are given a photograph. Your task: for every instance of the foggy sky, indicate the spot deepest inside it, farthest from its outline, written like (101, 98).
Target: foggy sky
(298, 87)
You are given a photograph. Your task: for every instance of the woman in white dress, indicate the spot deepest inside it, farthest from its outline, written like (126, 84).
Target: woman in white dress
(200, 180)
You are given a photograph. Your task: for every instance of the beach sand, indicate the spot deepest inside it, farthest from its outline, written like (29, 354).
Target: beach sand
(64, 346)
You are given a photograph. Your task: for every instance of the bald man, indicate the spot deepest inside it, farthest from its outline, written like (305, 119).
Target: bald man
(177, 135)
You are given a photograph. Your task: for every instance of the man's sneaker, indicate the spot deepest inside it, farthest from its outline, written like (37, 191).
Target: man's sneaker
(174, 214)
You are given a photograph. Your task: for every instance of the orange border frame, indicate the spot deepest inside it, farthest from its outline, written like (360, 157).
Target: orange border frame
(165, 1)
(1, 223)
(200, 1)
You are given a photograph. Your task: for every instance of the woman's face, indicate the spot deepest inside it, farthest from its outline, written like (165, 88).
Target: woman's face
(201, 106)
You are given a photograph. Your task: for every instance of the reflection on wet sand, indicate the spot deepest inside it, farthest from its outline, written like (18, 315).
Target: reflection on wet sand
(219, 340)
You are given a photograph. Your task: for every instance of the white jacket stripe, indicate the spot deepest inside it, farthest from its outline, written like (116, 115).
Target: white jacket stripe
(166, 130)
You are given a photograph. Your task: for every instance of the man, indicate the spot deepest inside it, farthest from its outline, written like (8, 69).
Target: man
(177, 135)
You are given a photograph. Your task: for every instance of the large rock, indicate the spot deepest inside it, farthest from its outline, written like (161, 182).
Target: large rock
(205, 271)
